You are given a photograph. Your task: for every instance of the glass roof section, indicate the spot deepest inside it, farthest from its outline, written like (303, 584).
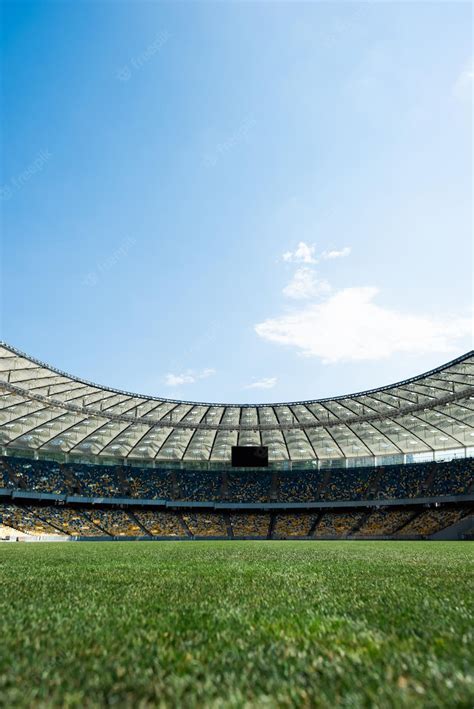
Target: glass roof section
(46, 411)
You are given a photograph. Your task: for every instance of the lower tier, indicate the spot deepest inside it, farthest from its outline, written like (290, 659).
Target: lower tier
(94, 521)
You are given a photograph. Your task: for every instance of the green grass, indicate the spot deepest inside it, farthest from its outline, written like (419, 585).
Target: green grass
(233, 624)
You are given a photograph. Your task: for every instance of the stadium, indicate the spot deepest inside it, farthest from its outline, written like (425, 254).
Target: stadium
(236, 355)
(90, 462)
(335, 575)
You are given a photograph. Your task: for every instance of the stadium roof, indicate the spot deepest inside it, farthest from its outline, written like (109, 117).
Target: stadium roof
(47, 411)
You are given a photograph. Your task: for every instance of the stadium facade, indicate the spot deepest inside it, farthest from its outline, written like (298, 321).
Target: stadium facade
(90, 461)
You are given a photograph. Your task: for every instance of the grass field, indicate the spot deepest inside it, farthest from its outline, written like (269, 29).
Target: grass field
(233, 624)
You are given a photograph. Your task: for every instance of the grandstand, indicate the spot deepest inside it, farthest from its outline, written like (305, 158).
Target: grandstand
(92, 462)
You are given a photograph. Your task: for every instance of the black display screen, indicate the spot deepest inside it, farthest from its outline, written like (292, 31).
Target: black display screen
(249, 456)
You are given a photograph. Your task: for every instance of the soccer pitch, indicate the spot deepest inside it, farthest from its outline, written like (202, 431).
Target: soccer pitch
(235, 624)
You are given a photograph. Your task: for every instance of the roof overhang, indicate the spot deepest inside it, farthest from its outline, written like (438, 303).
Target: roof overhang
(47, 411)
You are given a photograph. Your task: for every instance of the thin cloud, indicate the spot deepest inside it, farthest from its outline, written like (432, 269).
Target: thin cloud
(188, 377)
(305, 284)
(336, 254)
(265, 383)
(306, 253)
(349, 325)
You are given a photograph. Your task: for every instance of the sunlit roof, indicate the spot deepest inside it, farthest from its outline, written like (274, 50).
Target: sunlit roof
(46, 411)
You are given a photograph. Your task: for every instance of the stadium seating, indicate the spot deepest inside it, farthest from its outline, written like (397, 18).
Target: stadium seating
(384, 522)
(454, 479)
(147, 483)
(294, 487)
(331, 524)
(423, 479)
(337, 524)
(389, 482)
(248, 487)
(37, 475)
(98, 482)
(294, 524)
(202, 524)
(67, 520)
(160, 524)
(350, 484)
(250, 525)
(431, 521)
(115, 522)
(119, 519)
(198, 486)
(4, 476)
(24, 520)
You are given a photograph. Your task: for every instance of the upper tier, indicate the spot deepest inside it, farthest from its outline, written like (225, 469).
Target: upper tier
(46, 410)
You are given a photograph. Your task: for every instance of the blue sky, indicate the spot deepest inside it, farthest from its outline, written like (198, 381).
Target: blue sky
(237, 202)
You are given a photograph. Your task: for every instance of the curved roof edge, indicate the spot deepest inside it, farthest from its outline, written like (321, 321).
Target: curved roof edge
(340, 397)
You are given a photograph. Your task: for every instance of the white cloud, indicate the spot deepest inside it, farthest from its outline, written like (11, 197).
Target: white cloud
(188, 377)
(336, 254)
(463, 85)
(206, 373)
(349, 325)
(265, 383)
(305, 284)
(304, 253)
(173, 380)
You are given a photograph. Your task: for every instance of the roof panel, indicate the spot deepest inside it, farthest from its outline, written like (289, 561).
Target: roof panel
(42, 408)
